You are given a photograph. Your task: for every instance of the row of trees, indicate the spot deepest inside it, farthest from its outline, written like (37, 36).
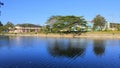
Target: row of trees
(68, 24)
(56, 24)
(73, 23)
(64, 23)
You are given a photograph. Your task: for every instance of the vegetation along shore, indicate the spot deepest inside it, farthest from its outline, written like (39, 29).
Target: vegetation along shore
(99, 35)
(65, 26)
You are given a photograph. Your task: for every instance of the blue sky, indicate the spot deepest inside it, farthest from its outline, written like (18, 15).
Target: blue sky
(38, 11)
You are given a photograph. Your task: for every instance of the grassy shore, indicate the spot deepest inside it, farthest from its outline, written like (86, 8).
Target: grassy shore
(99, 34)
(104, 32)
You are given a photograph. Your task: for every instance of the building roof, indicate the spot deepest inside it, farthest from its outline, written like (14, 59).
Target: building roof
(28, 25)
(113, 25)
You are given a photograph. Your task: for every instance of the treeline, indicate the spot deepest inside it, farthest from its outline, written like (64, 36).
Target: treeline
(56, 24)
(65, 24)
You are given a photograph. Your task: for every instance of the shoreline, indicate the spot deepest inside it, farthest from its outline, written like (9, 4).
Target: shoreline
(86, 35)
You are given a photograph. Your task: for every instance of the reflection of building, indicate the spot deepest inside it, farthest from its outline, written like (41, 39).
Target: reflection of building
(23, 29)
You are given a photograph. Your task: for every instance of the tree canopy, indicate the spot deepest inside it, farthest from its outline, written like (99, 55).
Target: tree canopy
(1, 27)
(118, 27)
(1, 23)
(65, 22)
(8, 25)
(99, 22)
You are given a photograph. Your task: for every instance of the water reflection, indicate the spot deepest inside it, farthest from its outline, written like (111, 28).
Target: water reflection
(66, 48)
(4, 40)
(14, 41)
(99, 47)
(33, 52)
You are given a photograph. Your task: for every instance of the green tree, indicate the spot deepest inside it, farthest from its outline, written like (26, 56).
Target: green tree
(48, 27)
(99, 22)
(65, 22)
(118, 27)
(78, 28)
(1, 23)
(2, 29)
(8, 26)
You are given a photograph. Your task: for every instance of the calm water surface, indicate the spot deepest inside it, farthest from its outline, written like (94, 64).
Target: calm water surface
(37, 52)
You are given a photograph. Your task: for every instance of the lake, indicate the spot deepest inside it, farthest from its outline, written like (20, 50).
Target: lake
(37, 52)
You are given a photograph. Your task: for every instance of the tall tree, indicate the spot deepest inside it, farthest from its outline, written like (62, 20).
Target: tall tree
(1, 27)
(1, 23)
(9, 25)
(99, 22)
(65, 22)
(118, 27)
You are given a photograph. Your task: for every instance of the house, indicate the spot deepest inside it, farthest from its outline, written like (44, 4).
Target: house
(89, 25)
(112, 26)
(25, 28)
(108, 26)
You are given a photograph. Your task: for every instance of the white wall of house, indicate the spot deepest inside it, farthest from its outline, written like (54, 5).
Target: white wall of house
(19, 29)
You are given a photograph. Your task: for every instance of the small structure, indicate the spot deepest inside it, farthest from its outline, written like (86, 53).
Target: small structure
(89, 25)
(113, 26)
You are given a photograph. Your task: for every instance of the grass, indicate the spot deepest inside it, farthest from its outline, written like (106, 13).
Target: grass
(103, 32)
(92, 32)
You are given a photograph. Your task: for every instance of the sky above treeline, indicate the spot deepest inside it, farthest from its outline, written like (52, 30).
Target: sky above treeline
(39, 11)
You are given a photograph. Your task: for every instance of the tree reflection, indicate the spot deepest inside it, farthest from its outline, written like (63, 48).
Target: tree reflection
(4, 37)
(4, 40)
(66, 49)
(99, 47)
